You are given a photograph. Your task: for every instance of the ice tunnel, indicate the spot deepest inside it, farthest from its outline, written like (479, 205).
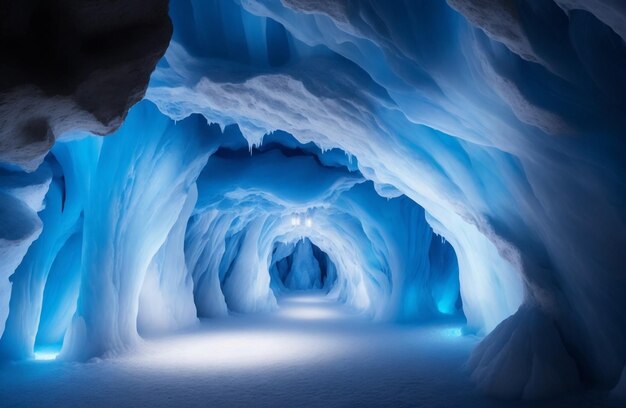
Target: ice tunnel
(236, 202)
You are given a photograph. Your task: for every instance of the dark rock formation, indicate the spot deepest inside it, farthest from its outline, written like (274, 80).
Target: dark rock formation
(73, 65)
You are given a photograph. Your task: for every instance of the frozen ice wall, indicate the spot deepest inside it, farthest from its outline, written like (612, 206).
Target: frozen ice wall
(110, 240)
(305, 270)
(145, 175)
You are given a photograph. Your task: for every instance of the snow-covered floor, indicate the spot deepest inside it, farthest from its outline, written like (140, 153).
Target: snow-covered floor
(312, 352)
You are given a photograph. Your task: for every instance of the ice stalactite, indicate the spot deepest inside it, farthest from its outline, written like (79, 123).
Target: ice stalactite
(280, 266)
(245, 275)
(60, 295)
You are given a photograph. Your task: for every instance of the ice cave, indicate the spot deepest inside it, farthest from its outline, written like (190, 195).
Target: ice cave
(312, 203)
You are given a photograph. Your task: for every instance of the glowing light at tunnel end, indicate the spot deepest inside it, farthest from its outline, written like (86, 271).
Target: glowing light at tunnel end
(297, 220)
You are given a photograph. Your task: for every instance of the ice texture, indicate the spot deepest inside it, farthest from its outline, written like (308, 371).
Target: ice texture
(459, 158)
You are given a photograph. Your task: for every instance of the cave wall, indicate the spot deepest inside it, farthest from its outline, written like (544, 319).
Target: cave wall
(504, 121)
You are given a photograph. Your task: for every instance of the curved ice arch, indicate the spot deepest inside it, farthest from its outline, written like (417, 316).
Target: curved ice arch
(380, 246)
(459, 119)
(322, 97)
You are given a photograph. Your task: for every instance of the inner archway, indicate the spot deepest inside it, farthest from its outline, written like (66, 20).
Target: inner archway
(301, 266)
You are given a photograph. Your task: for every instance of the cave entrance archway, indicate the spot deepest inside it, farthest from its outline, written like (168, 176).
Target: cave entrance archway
(301, 266)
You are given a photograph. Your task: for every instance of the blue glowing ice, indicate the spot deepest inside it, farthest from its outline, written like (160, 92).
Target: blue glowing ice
(392, 154)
